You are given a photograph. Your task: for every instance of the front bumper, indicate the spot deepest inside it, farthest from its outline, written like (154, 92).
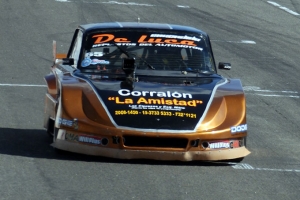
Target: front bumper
(211, 155)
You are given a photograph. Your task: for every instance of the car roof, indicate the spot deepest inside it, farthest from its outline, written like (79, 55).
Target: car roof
(138, 25)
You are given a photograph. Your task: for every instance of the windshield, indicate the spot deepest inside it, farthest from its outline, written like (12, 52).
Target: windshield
(152, 50)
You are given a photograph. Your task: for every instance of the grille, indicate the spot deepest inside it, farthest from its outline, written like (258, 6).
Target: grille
(137, 141)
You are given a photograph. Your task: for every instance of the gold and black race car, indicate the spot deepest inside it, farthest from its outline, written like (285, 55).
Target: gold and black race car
(144, 91)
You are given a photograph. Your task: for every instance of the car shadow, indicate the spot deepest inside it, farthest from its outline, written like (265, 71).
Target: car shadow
(36, 144)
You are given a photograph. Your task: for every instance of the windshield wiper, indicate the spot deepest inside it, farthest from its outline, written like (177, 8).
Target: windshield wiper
(148, 65)
(198, 71)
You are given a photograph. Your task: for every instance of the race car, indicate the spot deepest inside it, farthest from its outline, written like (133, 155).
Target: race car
(132, 90)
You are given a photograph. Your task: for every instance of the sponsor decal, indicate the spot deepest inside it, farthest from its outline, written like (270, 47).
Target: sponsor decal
(69, 123)
(224, 144)
(180, 46)
(146, 39)
(238, 129)
(71, 137)
(152, 101)
(84, 139)
(97, 54)
(104, 38)
(89, 140)
(65, 122)
(149, 44)
(155, 107)
(97, 61)
(86, 62)
(153, 39)
(171, 108)
(219, 145)
(125, 92)
(119, 44)
(177, 99)
(176, 37)
(164, 104)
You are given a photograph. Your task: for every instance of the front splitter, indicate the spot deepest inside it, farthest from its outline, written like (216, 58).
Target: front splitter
(207, 155)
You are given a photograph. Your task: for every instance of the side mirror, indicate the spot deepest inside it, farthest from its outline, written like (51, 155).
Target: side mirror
(226, 66)
(68, 61)
(60, 58)
(65, 61)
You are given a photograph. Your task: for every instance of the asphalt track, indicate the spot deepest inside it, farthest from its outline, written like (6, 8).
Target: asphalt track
(261, 40)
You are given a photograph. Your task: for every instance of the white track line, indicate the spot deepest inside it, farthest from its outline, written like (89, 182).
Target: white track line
(283, 8)
(253, 90)
(275, 91)
(278, 95)
(109, 2)
(123, 3)
(249, 167)
(238, 41)
(117, 3)
(182, 6)
(21, 85)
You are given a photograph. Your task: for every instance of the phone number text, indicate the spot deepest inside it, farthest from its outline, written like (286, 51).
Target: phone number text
(155, 112)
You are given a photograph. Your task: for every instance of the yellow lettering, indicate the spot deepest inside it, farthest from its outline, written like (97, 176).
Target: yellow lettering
(154, 101)
(128, 101)
(118, 101)
(200, 102)
(192, 103)
(169, 102)
(175, 101)
(181, 103)
(142, 100)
